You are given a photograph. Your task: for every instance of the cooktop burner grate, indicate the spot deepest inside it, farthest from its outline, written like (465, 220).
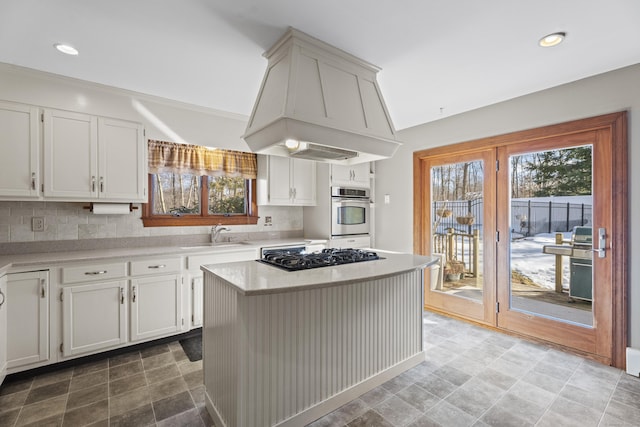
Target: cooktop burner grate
(292, 261)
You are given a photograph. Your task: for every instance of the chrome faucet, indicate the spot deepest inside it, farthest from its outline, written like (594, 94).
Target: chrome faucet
(215, 232)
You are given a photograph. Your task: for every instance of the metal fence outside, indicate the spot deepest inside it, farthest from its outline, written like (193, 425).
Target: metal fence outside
(528, 217)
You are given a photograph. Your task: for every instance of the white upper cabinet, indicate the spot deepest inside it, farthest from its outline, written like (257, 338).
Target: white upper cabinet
(89, 158)
(121, 160)
(283, 181)
(357, 175)
(19, 151)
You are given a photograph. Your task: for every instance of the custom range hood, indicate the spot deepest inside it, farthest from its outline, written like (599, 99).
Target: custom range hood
(318, 102)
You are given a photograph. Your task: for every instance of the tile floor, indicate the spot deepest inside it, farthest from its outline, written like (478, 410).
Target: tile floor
(472, 377)
(156, 386)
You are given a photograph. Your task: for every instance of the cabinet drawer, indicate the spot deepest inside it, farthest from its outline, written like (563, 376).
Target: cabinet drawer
(351, 242)
(195, 261)
(90, 272)
(156, 266)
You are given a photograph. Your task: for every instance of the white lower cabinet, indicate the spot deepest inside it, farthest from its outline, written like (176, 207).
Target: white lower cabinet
(94, 317)
(3, 328)
(196, 305)
(197, 299)
(108, 305)
(27, 318)
(156, 306)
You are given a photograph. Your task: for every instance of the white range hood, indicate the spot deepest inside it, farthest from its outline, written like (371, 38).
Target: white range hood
(318, 102)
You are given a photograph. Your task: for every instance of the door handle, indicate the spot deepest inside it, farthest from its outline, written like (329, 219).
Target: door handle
(33, 180)
(43, 288)
(602, 243)
(121, 295)
(102, 184)
(134, 294)
(93, 183)
(3, 298)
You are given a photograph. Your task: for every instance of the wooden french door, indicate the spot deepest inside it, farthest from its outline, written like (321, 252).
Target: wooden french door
(539, 276)
(460, 200)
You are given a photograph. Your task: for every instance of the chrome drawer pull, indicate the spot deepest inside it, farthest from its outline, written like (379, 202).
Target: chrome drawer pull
(95, 273)
(134, 294)
(121, 295)
(157, 266)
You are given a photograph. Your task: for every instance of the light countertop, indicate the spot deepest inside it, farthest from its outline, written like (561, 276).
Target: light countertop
(53, 258)
(256, 278)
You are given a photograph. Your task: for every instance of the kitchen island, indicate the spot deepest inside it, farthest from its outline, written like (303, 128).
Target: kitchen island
(285, 348)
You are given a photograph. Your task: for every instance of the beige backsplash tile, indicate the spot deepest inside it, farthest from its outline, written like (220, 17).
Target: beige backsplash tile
(70, 221)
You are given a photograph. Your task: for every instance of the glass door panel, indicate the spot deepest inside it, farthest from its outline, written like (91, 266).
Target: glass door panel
(556, 195)
(460, 221)
(551, 233)
(456, 202)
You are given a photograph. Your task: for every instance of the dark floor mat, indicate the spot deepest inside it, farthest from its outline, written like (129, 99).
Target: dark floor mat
(192, 347)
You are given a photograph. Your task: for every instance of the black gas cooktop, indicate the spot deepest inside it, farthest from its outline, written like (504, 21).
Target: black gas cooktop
(292, 261)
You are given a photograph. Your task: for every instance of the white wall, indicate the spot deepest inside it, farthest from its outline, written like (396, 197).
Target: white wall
(606, 93)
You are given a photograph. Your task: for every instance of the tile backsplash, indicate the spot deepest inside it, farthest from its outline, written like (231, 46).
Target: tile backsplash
(70, 221)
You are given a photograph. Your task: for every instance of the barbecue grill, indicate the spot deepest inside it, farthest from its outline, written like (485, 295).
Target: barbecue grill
(581, 264)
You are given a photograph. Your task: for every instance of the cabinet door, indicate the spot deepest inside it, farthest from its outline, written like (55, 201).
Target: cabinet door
(121, 161)
(94, 317)
(197, 302)
(303, 181)
(357, 175)
(27, 318)
(19, 151)
(360, 175)
(156, 306)
(3, 328)
(70, 155)
(279, 181)
(341, 175)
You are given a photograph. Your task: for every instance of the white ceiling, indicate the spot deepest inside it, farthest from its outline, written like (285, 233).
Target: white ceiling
(454, 55)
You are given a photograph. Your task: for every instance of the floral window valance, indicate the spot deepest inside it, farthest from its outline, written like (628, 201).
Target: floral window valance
(195, 159)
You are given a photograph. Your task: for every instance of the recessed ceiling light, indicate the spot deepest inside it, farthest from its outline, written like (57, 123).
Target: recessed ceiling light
(65, 48)
(552, 39)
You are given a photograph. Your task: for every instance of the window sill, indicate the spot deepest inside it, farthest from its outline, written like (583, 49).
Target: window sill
(185, 221)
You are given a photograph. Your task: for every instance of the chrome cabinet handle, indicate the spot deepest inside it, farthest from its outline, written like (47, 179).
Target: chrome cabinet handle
(42, 288)
(133, 299)
(95, 273)
(121, 295)
(33, 180)
(102, 184)
(93, 183)
(3, 298)
(157, 266)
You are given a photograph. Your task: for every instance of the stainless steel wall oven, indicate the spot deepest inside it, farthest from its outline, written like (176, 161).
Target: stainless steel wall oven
(349, 211)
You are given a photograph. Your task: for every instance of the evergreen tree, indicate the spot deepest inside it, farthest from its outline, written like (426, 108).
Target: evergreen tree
(562, 172)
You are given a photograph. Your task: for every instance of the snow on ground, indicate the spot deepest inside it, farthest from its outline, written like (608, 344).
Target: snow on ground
(527, 259)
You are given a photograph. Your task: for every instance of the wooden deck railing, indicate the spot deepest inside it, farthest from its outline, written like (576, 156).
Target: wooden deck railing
(460, 246)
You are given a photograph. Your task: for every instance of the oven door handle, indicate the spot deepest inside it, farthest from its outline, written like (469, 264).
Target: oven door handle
(342, 202)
